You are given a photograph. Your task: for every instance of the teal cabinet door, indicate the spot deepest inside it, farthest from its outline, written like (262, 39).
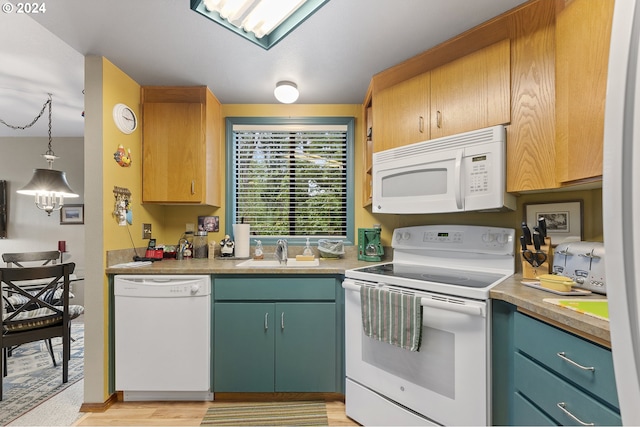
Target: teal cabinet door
(306, 357)
(244, 347)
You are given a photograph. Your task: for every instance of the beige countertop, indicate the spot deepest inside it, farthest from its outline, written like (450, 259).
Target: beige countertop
(528, 300)
(228, 266)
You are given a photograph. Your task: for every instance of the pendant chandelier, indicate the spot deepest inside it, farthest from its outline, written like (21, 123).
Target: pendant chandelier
(48, 186)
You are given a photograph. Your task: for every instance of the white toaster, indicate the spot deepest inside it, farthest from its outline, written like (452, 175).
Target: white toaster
(583, 262)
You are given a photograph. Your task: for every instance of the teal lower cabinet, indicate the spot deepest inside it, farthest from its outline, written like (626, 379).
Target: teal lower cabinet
(305, 347)
(276, 335)
(543, 375)
(244, 347)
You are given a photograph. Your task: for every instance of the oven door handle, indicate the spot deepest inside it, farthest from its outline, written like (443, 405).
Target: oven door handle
(474, 310)
(466, 309)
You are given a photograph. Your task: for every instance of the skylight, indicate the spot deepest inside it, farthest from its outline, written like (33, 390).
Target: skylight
(264, 22)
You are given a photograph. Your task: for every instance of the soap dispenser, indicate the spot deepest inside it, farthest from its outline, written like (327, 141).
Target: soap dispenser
(307, 249)
(258, 252)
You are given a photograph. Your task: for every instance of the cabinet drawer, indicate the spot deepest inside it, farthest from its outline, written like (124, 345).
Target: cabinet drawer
(546, 390)
(274, 288)
(543, 342)
(526, 414)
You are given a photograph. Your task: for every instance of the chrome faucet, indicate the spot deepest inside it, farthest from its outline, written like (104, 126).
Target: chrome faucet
(282, 251)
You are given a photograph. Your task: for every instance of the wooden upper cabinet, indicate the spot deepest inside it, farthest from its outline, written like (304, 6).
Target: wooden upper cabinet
(472, 92)
(401, 113)
(583, 33)
(531, 134)
(181, 131)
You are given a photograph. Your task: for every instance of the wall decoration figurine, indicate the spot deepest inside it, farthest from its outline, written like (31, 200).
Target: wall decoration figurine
(121, 157)
(122, 209)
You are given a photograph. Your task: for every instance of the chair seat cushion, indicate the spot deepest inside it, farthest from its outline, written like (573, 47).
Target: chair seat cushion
(17, 300)
(38, 318)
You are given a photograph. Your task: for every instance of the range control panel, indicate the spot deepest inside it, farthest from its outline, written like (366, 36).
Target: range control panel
(465, 238)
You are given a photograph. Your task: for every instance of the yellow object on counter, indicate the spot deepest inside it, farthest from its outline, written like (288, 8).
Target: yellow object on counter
(555, 282)
(305, 257)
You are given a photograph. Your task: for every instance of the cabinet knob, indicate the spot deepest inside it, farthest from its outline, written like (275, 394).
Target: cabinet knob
(438, 119)
(193, 187)
(266, 321)
(421, 124)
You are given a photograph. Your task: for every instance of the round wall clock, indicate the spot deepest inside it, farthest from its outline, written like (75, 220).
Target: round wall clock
(125, 118)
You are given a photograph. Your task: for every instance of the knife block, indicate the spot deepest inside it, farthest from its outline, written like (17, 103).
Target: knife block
(530, 272)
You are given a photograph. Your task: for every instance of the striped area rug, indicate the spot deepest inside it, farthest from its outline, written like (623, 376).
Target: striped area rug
(267, 414)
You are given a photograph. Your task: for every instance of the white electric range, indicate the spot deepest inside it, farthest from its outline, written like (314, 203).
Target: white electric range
(447, 381)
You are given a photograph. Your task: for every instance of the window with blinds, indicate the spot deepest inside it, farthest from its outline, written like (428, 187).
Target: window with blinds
(291, 180)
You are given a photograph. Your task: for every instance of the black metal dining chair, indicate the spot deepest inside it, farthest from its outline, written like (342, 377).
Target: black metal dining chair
(42, 316)
(29, 259)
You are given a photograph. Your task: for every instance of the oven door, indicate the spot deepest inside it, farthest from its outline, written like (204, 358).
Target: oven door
(445, 382)
(424, 183)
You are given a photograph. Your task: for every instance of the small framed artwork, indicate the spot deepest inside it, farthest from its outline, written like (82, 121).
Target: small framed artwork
(209, 223)
(72, 214)
(563, 219)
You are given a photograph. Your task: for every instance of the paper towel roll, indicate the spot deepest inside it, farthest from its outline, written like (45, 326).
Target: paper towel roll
(242, 240)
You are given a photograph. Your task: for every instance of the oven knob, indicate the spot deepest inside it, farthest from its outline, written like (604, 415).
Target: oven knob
(503, 238)
(487, 238)
(406, 235)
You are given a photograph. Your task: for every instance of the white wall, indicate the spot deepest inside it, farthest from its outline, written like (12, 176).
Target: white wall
(30, 229)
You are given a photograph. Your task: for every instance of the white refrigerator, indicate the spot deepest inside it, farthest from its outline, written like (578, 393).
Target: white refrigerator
(621, 204)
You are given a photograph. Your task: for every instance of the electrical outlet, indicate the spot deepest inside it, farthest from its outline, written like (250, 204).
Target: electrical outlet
(190, 227)
(146, 231)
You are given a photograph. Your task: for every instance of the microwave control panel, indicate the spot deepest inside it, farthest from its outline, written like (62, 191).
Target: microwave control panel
(478, 175)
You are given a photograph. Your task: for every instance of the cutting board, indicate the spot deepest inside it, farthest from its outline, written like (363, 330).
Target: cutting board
(598, 308)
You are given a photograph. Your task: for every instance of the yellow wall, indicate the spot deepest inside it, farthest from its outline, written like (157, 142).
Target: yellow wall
(120, 88)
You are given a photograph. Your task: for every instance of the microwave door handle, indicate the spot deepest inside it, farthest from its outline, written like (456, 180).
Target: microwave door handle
(457, 178)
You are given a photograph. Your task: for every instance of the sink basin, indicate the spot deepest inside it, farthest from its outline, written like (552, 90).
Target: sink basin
(273, 263)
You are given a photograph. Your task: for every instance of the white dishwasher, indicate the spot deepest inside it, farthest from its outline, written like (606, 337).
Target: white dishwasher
(163, 337)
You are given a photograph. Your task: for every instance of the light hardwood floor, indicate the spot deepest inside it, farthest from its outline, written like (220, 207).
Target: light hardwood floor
(177, 414)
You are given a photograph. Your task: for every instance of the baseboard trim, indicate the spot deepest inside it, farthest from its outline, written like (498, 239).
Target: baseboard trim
(99, 407)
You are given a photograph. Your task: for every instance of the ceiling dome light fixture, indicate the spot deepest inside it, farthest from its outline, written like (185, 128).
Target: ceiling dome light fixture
(49, 186)
(286, 92)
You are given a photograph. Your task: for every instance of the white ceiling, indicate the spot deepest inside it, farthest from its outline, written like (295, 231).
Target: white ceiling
(331, 56)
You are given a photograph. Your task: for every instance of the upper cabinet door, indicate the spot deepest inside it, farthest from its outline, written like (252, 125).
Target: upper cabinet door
(583, 33)
(472, 92)
(401, 113)
(173, 152)
(181, 145)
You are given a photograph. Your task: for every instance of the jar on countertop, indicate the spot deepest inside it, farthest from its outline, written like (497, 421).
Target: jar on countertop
(201, 244)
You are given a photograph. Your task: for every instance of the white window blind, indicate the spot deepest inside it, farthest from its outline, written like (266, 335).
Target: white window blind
(291, 180)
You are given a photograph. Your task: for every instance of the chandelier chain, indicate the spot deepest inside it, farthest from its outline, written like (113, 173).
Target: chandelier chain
(48, 102)
(50, 150)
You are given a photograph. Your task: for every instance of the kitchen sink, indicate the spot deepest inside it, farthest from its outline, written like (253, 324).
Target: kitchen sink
(273, 263)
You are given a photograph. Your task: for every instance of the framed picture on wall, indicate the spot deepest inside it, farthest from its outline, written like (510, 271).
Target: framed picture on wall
(563, 219)
(72, 214)
(209, 223)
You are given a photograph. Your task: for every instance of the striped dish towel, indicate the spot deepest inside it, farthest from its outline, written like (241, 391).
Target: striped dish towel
(391, 317)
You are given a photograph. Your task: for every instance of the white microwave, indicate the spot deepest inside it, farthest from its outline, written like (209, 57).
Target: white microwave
(457, 173)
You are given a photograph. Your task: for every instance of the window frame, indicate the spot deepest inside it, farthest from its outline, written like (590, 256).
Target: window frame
(230, 194)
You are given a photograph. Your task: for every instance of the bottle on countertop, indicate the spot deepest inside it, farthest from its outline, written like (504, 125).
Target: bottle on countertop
(258, 252)
(307, 249)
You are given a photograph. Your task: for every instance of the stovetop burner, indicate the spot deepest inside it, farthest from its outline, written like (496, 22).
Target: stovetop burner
(472, 279)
